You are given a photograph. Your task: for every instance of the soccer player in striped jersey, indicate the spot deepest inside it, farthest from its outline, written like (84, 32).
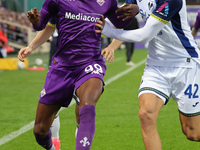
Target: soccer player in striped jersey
(172, 66)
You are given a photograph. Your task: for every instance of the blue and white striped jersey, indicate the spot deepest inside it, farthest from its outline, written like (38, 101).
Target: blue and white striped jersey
(173, 45)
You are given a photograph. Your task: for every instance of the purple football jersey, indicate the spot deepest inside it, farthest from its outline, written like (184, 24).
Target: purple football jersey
(78, 43)
(197, 23)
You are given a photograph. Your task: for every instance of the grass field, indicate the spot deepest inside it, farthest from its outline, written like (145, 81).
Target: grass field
(117, 121)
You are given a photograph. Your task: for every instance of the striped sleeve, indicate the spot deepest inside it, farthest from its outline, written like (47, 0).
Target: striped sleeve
(166, 9)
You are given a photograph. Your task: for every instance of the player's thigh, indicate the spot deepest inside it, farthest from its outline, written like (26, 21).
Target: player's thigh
(90, 91)
(45, 115)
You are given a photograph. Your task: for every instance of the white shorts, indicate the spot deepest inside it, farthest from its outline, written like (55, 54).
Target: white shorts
(183, 84)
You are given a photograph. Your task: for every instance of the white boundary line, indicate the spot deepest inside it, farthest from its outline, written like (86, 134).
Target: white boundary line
(29, 126)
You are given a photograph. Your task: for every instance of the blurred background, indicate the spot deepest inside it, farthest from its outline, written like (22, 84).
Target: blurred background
(16, 31)
(117, 120)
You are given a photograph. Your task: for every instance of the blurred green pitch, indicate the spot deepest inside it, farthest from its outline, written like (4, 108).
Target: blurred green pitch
(117, 121)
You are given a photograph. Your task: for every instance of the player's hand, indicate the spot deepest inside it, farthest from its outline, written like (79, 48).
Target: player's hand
(109, 54)
(100, 24)
(33, 16)
(128, 11)
(24, 52)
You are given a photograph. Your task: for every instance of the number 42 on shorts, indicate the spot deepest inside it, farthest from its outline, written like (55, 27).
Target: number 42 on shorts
(189, 90)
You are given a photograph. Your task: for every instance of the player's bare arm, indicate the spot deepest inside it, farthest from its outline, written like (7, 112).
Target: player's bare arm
(24, 52)
(41, 38)
(33, 16)
(128, 11)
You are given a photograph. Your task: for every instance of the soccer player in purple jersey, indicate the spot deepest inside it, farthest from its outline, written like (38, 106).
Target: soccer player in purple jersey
(41, 38)
(196, 27)
(77, 67)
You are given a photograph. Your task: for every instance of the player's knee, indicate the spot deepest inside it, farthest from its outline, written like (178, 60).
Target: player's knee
(88, 101)
(90, 97)
(193, 137)
(39, 130)
(191, 133)
(146, 117)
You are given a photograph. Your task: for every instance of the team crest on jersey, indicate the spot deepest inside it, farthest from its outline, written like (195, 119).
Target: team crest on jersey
(43, 92)
(163, 9)
(100, 2)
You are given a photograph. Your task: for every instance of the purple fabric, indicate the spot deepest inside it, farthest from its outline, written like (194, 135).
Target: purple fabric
(45, 141)
(61, 81)
(197, 23)
(98, 71)
(78, 42)
(86, 128)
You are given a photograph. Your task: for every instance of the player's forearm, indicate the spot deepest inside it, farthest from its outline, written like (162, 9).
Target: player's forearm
(142, 35)
(41, 37)
(194, 32)
(115, 44)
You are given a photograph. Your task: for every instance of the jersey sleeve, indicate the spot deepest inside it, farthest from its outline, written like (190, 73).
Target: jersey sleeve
(166, 10)
(52, 22)
(49, 9)
(197, 23)
(142, 35)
